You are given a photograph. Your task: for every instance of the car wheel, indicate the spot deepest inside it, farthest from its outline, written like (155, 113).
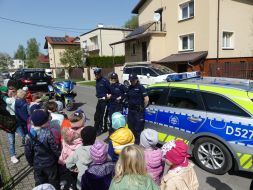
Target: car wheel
(212, 156)
(126, 83)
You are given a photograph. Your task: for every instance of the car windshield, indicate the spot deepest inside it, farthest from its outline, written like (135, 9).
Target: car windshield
(161, 70)
(35, 75)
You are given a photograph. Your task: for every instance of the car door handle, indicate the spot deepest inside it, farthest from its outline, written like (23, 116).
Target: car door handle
(194, 119)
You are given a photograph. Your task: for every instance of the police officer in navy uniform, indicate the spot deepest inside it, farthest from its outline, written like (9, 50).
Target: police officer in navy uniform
(138, 99)
(102, 91)
(117, 96)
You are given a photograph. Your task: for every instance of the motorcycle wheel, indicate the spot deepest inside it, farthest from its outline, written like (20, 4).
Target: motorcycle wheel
(69, 106)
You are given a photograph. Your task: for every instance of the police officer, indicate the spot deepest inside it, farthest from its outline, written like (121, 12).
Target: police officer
(118, 93)
(102, 90)
(138, 99)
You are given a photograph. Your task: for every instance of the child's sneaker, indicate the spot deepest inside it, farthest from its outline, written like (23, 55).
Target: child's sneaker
(14, 160)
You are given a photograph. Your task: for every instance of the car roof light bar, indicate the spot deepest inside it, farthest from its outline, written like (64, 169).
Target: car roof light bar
(183, 76)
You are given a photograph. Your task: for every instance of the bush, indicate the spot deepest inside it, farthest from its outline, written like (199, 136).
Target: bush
(104, 61)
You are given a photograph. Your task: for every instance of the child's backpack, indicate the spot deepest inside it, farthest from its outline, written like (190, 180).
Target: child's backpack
(8, 123)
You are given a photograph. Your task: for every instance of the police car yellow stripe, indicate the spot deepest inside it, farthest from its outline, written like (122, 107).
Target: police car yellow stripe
(181, 85)
(245, 160)
(162, 138)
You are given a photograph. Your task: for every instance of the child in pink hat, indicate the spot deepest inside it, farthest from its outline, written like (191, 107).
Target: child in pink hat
(100, 172)
(181, 174)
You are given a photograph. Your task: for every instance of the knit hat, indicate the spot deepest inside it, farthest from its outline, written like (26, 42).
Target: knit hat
(88, 135)
(118, 120)
(39, 117)
(77, 119)
(149, 138)
(3, 89)
(34, 107)
(178, 155)
(98, 152)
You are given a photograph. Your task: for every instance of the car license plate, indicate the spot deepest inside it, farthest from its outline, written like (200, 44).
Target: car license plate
(40, 83)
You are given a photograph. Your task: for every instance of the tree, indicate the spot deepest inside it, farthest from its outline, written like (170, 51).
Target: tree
(132, 22)
(20, 53)
(32, 52)
(5, 60)
(72, 57)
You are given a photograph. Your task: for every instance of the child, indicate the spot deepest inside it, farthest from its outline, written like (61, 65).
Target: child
(10, 102)
(56, 122)
(130, 171)
(81, 159)
(181, 174)
(153, 156)
(41, 151)
(21, 110)
(71, 136)
(121, 137)
(100, 172)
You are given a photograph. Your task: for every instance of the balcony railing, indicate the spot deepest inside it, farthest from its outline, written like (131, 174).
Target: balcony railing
(156, 27)
(92, 47)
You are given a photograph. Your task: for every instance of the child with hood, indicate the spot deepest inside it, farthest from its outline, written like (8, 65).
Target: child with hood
(71, 136)
(80, 159)
(41, 151)
(100, 173)
(181, 175)
(121, 137)
(153, 155)
(21, 110)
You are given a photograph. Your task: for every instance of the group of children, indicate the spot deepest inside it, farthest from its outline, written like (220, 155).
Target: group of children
(65, 153)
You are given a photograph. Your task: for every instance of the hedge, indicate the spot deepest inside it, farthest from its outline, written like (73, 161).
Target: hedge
(104, 61)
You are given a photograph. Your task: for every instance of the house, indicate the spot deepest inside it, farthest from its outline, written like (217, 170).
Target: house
(43, 61)
(16, 64)
(97, 41)
(56, 46)
(208, 35)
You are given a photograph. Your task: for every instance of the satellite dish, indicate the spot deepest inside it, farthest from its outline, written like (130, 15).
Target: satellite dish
(156, 17)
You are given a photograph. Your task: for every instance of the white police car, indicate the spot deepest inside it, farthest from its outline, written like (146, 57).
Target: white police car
(147, 73)
(213, 115)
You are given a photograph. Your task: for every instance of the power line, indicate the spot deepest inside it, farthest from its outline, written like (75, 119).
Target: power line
(44, 26)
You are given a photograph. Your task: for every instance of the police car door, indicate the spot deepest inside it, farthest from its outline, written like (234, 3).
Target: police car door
(157, 100)
(183, 114)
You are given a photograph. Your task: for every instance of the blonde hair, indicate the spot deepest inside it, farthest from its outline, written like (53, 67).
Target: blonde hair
(131, 162)
(21, 94)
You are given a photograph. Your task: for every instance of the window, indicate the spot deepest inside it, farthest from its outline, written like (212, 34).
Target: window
(127, 70)
(157, 96)
(186, 10)
(184, 98)
(227, 40)
(187, 42)
(218, 104)
(145, 71)
(137, 70)
(85, 44)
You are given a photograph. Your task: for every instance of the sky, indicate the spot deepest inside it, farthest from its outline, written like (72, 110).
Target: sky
(78, 14)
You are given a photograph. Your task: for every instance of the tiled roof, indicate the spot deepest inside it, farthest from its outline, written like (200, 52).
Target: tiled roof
(184, 57)
(43, 58)
(66, 40)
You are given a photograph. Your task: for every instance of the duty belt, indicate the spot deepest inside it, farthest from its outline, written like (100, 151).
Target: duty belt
(103, 98)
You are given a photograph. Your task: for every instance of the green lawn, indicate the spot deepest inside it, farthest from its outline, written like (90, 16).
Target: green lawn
(87, 83)
(3, 173)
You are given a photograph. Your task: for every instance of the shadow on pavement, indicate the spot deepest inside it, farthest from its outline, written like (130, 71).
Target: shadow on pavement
(217, 184)
(79, 104)
(18, 177)
(241, 174)
(251, 185)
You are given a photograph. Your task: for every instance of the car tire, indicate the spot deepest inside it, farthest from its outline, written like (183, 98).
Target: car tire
(126, 83)
(212, 156)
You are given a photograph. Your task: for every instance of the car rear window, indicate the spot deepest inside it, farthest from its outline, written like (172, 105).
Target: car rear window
(35, 75)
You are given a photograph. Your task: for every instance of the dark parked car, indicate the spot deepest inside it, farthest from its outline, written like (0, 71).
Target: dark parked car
(34, 79)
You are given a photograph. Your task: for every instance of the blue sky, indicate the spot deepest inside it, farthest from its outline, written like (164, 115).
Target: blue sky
(81, 14)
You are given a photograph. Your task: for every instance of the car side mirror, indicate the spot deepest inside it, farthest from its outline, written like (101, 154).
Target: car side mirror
(148, 75)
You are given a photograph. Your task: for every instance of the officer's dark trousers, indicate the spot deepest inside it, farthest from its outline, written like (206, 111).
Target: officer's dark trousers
(100, 116)
(47, 175)
(114, 107)
(136, 123)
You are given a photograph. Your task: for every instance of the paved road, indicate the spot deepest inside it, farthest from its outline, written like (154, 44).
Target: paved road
(236, 181)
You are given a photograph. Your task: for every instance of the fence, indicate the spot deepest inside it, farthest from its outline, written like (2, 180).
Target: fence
(243, 70)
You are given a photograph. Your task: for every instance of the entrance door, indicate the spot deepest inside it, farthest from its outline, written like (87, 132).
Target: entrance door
(144, 51)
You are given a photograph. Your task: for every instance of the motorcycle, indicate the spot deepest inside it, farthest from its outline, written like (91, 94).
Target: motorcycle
(63, 91)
